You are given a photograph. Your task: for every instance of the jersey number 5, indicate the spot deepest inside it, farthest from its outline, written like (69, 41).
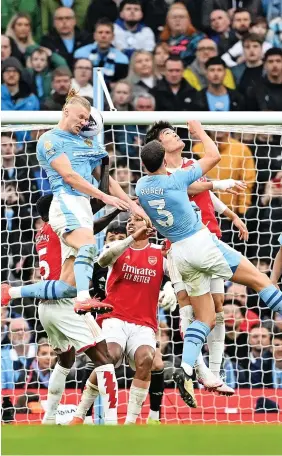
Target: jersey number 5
(159, 206)
(43, 265)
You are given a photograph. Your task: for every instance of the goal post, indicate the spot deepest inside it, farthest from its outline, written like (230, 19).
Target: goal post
(258, 139)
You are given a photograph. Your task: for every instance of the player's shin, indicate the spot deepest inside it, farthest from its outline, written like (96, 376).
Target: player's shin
(88, 397)
(156, 392)
(83, 269)
(215, 342)
(137, 395)
(108, 388)
(55, 391)
(86, 374)
(194, 339)
(272, 297)
(45, 289)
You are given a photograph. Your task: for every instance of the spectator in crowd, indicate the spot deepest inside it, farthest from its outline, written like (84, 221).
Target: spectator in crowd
(130, 34)
(272, 9)
(235, 340)
(6, 48)
(122, 95)
(249, 72)
(254, 7)
(221, 33)
(196, 73)
(161, 54)
(40, 73)
(8, 9)
(237, 294)
(82, 80)
(277, 361)
(20, 30)
(98, 9)
(257, 365)
(266, 94)
(173, 93)
(180, 34)
(141, 72)
(41, 367)
(235, 55)
(274, 35)
(16, 358)
(236, 163)
(65, 37)
(61, 83)
(278, 322)
(155, 12)
(123, 175)
(259, 26)
(49, 7)
(5, 321)
(217, 97)
(264, 220)
(16, 93)
(103, 54)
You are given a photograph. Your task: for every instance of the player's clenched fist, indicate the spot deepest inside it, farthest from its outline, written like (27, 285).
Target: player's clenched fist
(195, 128)
(143, 233)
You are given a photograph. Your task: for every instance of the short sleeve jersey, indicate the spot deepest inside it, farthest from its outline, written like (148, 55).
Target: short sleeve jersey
(164, 199)
(48, 248)
(84, 154)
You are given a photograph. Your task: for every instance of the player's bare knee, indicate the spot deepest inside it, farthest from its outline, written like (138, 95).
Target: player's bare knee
(99, 354)
(183, 298)
(144, 362)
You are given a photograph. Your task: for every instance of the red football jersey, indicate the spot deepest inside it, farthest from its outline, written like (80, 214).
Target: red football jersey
(204, 202)
(133, 286)
(48, 247)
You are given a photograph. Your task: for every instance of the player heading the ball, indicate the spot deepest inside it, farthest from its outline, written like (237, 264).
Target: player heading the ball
(197, 253)
(71, 161)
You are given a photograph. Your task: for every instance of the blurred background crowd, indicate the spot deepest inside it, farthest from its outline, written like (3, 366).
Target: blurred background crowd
(206, 55)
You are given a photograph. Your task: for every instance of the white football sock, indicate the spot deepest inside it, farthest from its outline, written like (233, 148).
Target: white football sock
(56, 388)
(215, 341)
(15, 292)
(154, 415)
(108, 388)
(83, 295)
(186, 317)
(87, 399)
(137, 397)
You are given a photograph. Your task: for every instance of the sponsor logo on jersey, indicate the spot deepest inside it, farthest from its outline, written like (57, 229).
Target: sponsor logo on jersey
(88, 142)
(153, 260)
(139, 271)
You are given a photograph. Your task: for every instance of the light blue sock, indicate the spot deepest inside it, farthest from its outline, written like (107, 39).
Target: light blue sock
(83, 266)
(195, 337)
(48, 289)
(272, 297)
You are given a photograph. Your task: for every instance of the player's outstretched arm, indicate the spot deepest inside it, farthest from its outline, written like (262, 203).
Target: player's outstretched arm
(225, 185)
(212, 155)
(277, 268)
(103, 222)
(115, 249)
(63, 167)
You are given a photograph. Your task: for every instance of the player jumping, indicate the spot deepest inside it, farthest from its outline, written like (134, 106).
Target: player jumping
(198, 254)
(133, 286)
(208, 203)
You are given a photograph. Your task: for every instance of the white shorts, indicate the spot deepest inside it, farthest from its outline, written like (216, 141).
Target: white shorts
(129, 336)
(66, 329)
(66, 214)
(202, 257)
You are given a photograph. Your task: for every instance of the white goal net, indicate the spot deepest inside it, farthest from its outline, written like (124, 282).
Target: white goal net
(253, 356)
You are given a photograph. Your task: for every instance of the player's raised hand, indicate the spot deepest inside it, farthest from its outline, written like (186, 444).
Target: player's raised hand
(243, 230)
(239, 186)
(143, 233)
(136, 209)
(116, 202)
(195, 128)
(230, 186)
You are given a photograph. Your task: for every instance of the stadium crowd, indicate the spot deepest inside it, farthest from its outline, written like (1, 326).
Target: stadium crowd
(206, 55)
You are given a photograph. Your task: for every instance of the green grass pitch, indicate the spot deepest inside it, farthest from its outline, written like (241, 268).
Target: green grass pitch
(143, 440)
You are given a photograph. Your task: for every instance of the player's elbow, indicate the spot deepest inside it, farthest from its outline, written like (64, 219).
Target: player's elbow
(104, 260)
(69, 177)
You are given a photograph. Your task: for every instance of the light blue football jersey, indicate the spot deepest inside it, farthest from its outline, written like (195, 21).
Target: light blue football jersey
(280, 239)
(84, 155)
(165, 201)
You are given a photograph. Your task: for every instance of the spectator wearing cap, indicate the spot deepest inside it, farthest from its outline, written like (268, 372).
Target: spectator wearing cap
(61, 83)
(249, 72)
(82, 80)
(180, 34)
(130, 33)
(16, 358)
(220, 30)
(173, 93)
(16, 93)
(65, 37)
(49, 7)
(103, 54)
(41, 367)
(217, 97)
(266, 94)
(241, 25)
(195, 74)
(8, 9)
